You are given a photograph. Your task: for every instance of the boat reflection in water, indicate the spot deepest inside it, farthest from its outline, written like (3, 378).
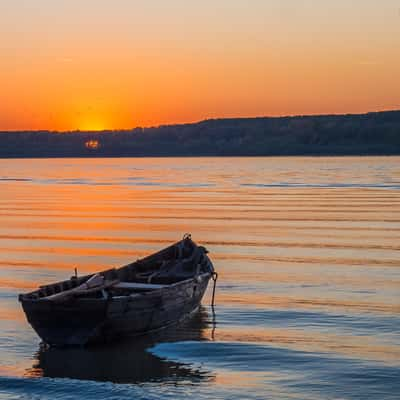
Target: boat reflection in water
(127, 361)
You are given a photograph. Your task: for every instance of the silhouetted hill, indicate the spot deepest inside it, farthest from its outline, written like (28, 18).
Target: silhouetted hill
(372, 133)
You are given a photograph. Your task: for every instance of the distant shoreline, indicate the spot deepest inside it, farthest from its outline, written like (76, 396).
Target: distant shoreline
(371, 134)
(201, 156)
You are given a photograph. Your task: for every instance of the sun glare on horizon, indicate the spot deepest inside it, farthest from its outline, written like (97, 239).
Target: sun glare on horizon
(92, 123)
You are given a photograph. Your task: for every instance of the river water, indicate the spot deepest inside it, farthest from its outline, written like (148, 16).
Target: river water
(308, 256)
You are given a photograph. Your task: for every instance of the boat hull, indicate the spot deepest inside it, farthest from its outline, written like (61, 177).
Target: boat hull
(84, 320)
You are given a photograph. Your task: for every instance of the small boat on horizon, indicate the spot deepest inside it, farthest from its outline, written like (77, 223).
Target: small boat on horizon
(148, 294)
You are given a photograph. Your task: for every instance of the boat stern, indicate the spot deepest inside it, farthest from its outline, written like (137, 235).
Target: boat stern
(65, 324)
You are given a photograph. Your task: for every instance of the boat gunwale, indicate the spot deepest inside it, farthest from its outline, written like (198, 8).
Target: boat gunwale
(44, 300)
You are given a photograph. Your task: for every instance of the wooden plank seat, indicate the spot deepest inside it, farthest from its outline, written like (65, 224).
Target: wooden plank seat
(137, 285)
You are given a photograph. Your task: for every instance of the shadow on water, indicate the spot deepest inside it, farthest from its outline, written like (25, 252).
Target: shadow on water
(127, 360)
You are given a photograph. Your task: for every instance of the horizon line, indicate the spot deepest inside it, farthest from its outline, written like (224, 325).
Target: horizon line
(196, 122)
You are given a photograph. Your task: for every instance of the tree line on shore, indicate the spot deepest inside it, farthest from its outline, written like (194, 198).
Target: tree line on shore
(360, 134)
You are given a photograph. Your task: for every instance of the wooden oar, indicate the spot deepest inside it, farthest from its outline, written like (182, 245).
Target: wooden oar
(93, 284)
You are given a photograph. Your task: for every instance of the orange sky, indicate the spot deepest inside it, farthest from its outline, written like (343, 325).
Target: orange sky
(124, 63)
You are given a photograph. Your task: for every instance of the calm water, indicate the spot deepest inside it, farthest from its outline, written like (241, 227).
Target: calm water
(308, 255)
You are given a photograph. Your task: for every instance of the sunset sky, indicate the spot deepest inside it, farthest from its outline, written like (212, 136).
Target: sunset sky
(96, 64)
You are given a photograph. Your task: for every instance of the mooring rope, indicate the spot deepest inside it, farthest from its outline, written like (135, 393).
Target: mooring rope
(214, 277)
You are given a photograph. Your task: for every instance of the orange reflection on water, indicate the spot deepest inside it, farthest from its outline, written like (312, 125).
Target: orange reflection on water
(365, 347)
(16, 284)
(92, 144)
(263, 300)
(78, 251)
(312, 277)
(240, 379)
(12, 370)
(11, 314)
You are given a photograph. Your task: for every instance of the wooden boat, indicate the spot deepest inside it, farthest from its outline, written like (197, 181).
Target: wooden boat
(148, 294)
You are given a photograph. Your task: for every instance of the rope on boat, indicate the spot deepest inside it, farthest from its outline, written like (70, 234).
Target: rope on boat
(214, 277)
